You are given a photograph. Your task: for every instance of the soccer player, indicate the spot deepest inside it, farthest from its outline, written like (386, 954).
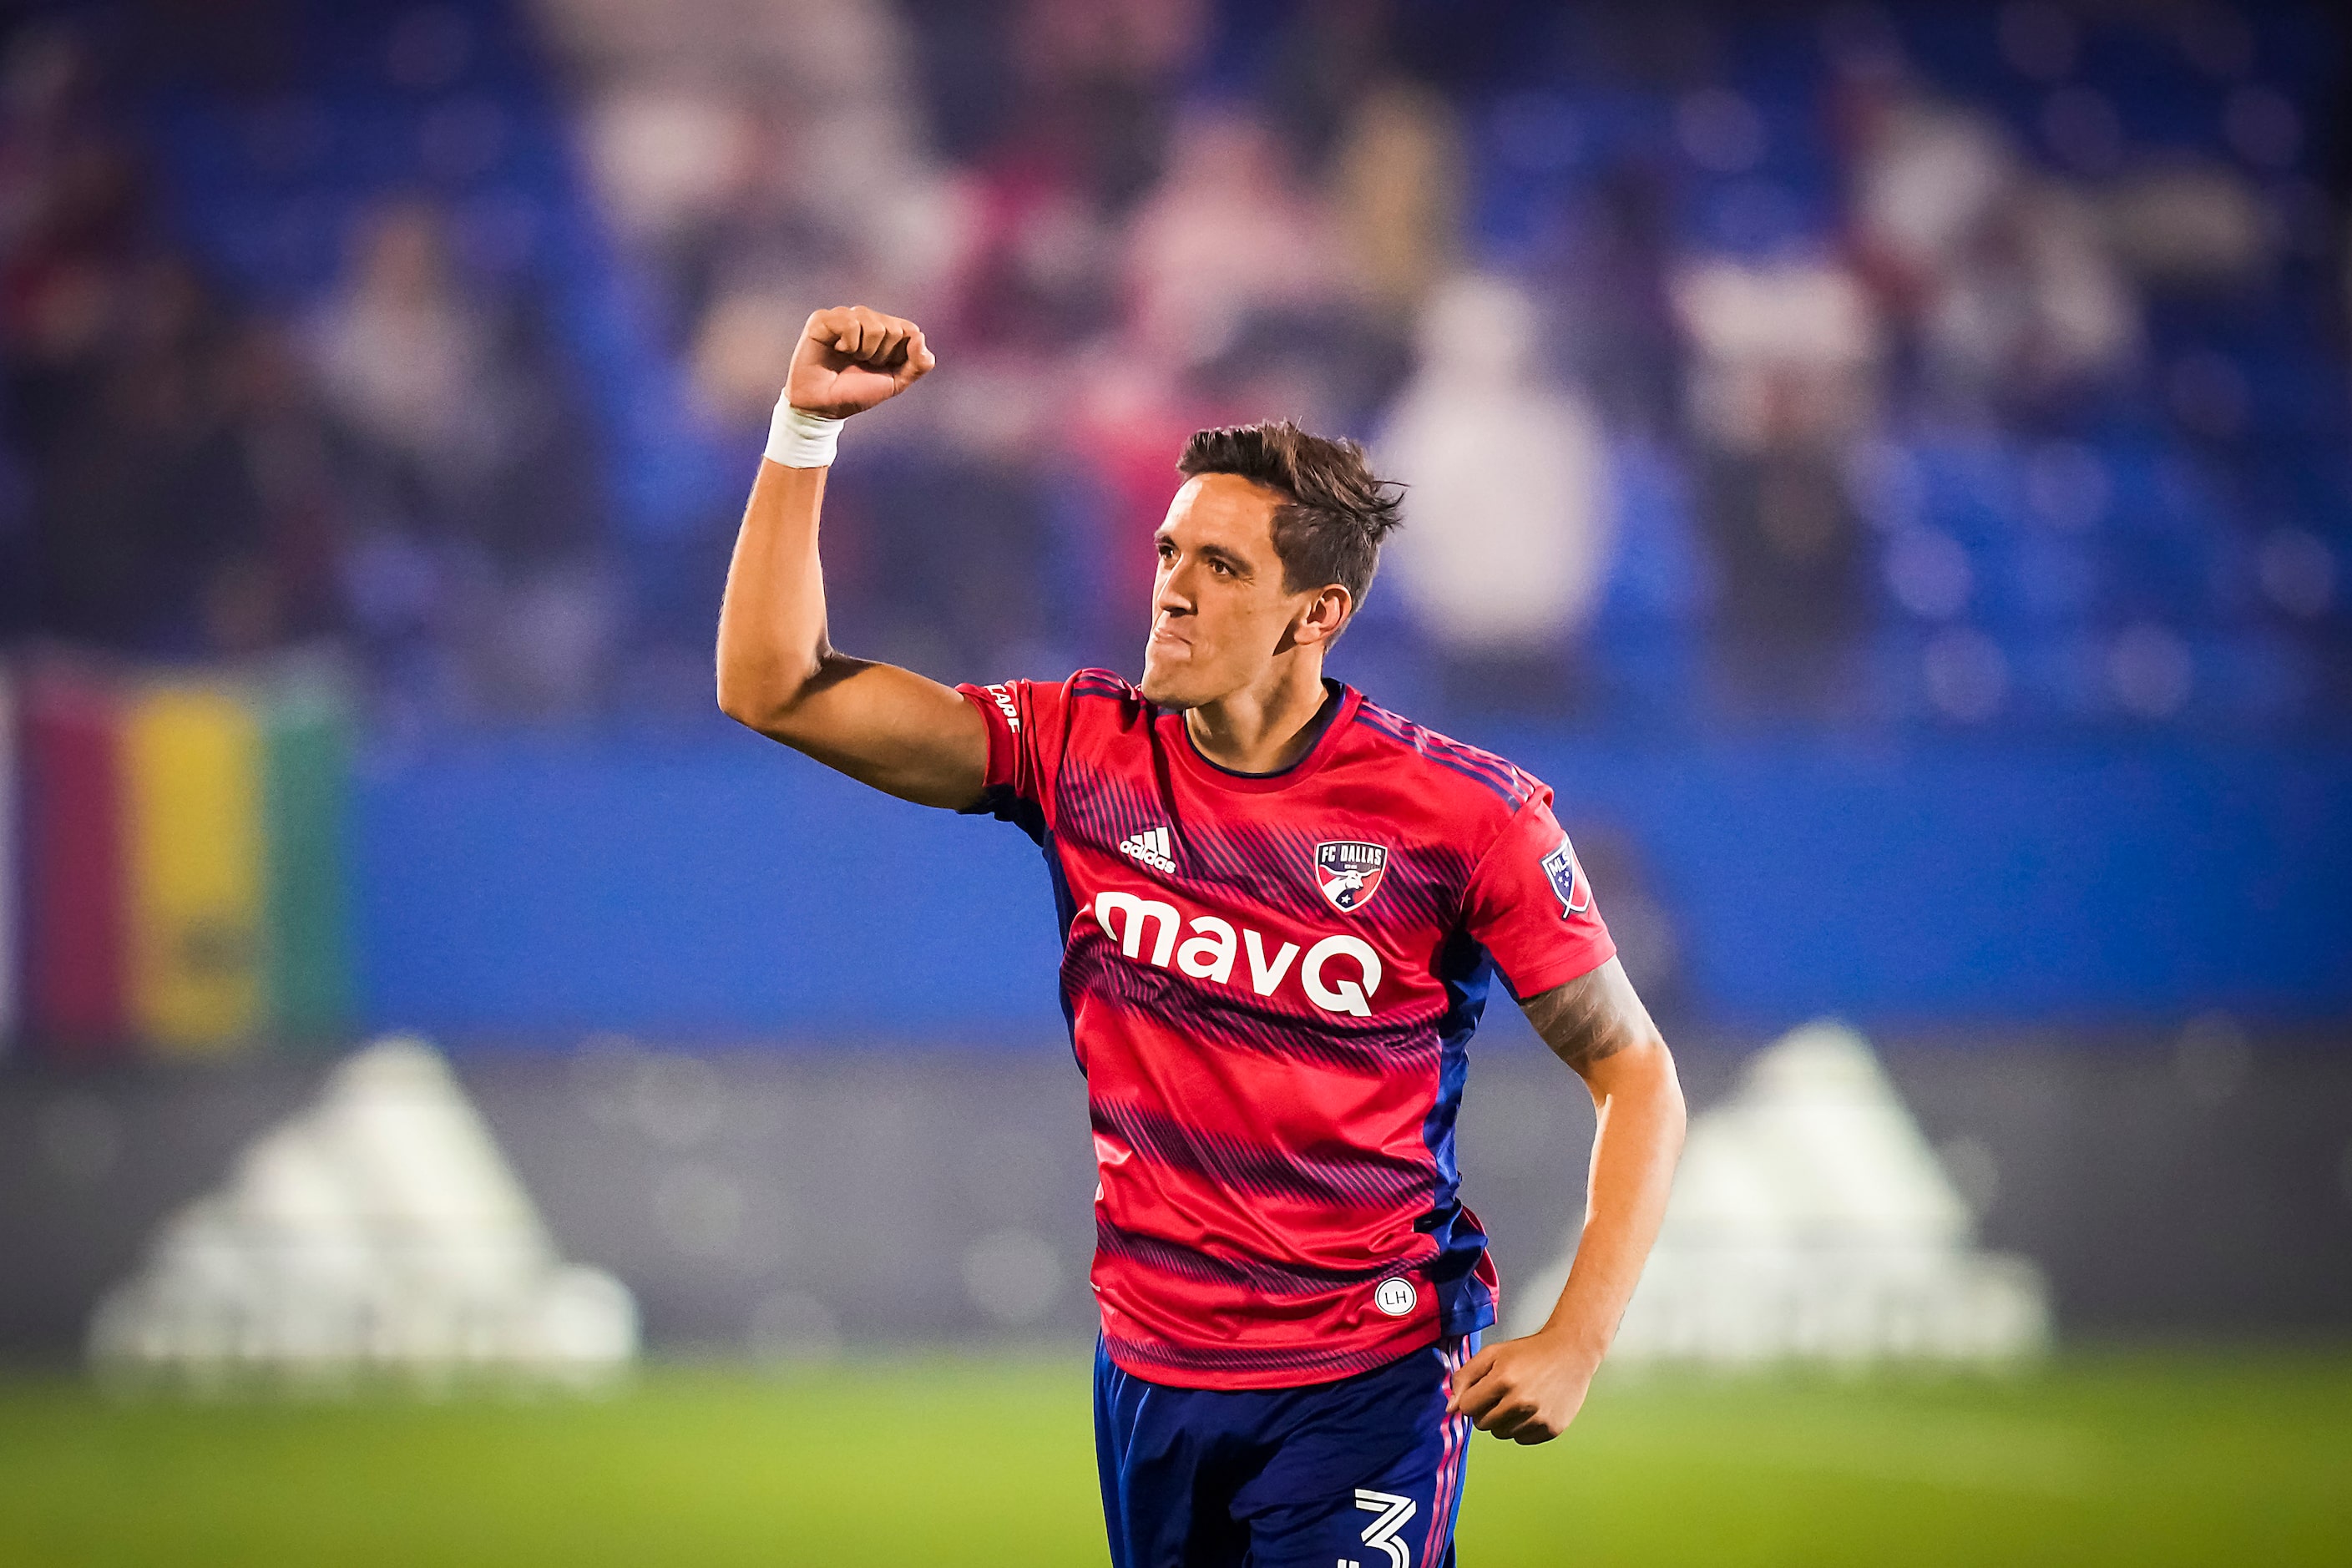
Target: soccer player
(1281, 906)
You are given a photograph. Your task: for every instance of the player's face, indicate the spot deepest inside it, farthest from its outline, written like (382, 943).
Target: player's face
(1219, 610)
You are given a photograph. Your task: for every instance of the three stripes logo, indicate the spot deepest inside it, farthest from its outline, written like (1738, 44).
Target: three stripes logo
(1151, 848)
(1396, 1512)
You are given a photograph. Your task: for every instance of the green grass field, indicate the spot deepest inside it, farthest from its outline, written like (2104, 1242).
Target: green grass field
(2139, 1458)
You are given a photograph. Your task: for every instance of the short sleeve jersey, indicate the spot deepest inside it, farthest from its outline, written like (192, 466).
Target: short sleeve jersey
(1271, 982)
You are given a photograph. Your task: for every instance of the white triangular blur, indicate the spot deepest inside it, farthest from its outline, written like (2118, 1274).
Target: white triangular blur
(381, 1228)
(1811, 1220)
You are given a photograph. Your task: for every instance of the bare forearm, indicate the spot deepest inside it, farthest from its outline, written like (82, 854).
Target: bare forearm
(1528, 1390)
(1638, 1139)
(772, 624)
(1598, 1026)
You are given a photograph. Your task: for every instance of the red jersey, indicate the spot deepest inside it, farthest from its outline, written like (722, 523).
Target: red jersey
(1271, 983)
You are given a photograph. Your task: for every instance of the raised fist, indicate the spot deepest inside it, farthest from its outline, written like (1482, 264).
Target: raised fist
(851, 358)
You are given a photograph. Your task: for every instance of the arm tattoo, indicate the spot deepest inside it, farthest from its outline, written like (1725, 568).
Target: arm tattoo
(1581, 1020)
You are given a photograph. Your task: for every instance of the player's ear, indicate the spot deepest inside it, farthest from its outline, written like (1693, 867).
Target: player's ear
(1324, 615)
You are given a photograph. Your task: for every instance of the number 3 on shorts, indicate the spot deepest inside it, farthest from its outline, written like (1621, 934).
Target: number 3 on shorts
(1395, 1513)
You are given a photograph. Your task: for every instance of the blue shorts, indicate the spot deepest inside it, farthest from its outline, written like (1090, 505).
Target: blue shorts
(1365, 1471)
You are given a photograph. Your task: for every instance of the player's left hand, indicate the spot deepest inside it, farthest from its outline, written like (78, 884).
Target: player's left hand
(1526, 1390)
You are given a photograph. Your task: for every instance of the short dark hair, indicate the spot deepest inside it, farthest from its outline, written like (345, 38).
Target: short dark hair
(1333, 511)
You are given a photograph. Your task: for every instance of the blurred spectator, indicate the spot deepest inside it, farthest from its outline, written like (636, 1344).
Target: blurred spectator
(1331, 53)
(1231, 237)
(152, 532)
(404, 357)
(1035, 264)
(481, 524)
(1927, 178)
(2192, 225)
(1398, 181)
(1100, 77)
(2006, 277)
(156, 525)
(713, 189)
(290, 457)
(1509, 535)
(1785, 362)
(2039, 306)
(1621, 333)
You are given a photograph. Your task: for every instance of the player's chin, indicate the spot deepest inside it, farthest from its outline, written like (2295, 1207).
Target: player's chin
(1168, 688)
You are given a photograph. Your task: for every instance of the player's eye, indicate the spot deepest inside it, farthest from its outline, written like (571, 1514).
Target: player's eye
(1220, 569)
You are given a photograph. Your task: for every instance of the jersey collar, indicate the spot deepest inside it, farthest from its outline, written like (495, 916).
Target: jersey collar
(1178, 741)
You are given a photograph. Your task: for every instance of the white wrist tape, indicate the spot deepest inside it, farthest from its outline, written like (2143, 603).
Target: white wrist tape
(799, 439)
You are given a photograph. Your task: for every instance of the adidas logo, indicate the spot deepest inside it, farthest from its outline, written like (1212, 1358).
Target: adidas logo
(381, 1229)
(1150, 848)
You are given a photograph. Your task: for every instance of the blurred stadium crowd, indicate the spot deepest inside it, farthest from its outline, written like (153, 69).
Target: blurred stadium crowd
(1858, 366)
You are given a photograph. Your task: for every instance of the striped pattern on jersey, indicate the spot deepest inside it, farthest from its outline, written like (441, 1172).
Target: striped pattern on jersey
(1271, 985)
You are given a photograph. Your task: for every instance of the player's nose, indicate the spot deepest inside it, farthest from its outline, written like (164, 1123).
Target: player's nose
(1169, 596)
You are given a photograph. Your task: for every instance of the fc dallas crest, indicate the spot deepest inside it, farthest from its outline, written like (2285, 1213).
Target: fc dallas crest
(1348, 871)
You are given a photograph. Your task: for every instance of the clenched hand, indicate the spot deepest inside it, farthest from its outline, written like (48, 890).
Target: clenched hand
(851, 358)
(1526, 1390)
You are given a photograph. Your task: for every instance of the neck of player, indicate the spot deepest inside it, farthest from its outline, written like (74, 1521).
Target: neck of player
(1266, 727)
